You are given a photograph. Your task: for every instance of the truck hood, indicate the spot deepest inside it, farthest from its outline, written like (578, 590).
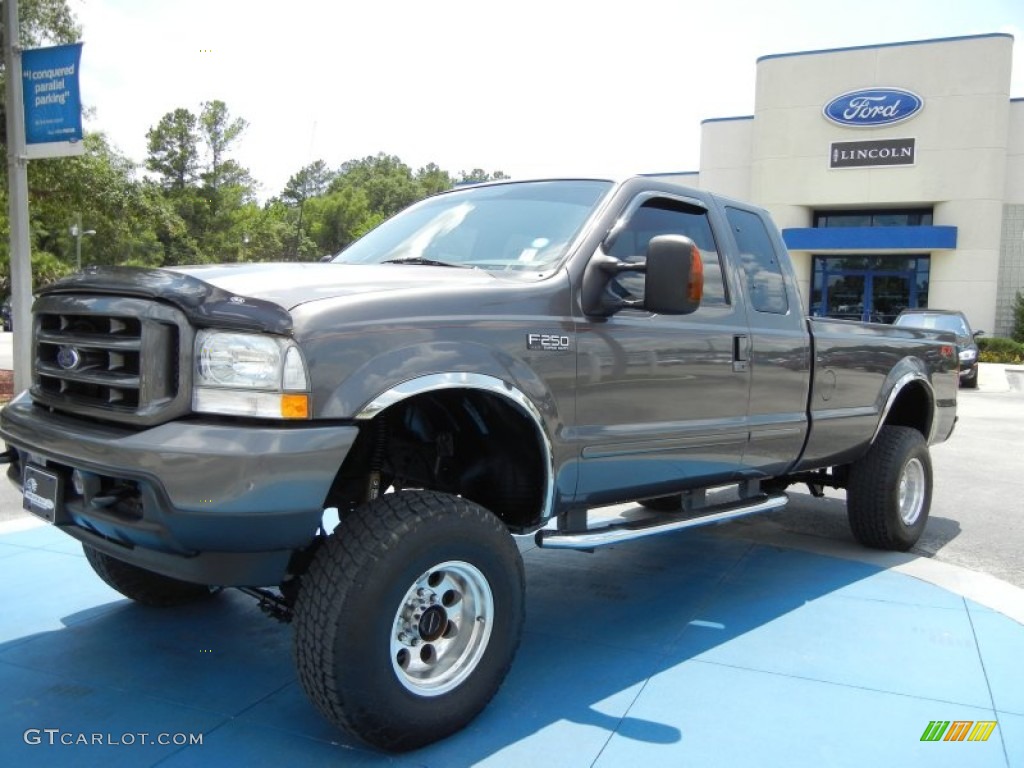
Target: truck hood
(258, 296)
(291, 284)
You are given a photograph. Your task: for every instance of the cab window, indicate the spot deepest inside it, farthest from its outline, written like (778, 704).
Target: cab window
(662, 216)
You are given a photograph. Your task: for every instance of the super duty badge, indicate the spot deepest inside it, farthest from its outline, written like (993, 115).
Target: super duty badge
(547, 342)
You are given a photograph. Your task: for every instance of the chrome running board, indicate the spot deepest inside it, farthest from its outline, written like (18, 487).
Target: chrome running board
(655, 525)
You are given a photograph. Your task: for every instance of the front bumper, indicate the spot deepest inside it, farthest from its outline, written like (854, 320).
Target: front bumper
(203, 501)
(968, 370)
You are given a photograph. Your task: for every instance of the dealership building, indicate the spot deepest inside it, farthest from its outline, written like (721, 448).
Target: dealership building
(896, 173)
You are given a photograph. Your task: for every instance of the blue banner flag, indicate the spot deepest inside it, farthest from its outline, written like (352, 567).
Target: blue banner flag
(53, 105)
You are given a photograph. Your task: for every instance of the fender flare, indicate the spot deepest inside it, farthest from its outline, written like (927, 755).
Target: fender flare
(481, 382)
(902, 383)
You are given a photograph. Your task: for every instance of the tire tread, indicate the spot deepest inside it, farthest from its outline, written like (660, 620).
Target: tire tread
(869, 490)
(142, 586)
(338, 569)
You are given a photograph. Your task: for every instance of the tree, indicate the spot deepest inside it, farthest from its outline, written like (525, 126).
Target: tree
(100, 187)
(47, 22)
(312, 180)
(387, 181)
(337, 219)
(433, 180)
(173, 145)
(204, 186)
(479, 175)
(219, 131)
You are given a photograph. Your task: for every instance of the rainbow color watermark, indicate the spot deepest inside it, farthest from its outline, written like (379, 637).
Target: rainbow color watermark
(959, 730)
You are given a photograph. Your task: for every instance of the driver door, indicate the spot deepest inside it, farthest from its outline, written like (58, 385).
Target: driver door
(662, 400)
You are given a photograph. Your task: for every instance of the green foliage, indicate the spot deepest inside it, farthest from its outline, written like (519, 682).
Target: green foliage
(995, 349)
(310, 181)
(387, 182)
(46, 268)
(173, 145)
(433, 180)
(479, 175)
(1018, 319)
(47, 22)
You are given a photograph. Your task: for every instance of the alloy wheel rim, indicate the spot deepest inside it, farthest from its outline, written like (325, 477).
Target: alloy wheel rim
(442, 628)
(912, 491)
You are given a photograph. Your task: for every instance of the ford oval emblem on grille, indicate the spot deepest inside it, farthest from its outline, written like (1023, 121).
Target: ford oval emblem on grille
(68, 358)
(873, 107)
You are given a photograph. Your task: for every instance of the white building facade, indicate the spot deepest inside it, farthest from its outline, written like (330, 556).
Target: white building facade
(896, 173)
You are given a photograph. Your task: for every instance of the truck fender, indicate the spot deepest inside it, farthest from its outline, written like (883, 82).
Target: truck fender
(907, 376)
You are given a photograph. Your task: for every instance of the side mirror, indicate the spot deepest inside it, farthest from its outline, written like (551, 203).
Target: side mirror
(978, 333)
(673, 282)
(675, 276)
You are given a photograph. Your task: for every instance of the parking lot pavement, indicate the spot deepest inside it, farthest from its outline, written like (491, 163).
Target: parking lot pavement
(695, 648)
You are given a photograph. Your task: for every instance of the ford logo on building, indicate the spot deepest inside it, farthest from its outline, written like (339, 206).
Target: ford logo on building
(873, 107)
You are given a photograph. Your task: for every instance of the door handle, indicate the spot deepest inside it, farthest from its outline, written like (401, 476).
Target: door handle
(740, 352)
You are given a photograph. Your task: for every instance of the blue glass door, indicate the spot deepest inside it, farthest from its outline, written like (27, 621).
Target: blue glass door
(868, 288)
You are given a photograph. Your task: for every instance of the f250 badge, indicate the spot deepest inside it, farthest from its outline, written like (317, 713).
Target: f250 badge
(547, 342)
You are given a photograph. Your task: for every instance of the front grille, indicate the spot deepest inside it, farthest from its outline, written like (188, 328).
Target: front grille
(113, 358)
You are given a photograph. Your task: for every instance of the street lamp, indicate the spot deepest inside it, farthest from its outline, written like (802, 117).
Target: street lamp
(77, 233)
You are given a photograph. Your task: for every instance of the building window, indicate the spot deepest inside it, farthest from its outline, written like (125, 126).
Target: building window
(909, 217)
(869, 288)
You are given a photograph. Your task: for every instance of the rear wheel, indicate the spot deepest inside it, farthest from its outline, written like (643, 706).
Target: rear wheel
(409, 617)
(889, 492)
(144, 586)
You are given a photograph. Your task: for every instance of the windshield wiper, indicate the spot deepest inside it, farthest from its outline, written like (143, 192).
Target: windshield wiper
(427, 262)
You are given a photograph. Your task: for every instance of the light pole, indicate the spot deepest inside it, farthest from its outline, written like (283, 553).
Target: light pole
(76, 232)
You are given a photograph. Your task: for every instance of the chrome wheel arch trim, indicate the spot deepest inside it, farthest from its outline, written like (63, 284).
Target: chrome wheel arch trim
(482, 382)
(901, 383)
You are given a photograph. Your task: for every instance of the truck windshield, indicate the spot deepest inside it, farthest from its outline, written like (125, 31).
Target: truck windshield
(518, 226)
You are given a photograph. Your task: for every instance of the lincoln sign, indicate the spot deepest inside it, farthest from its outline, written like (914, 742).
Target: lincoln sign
(873, 107)
(867, 154)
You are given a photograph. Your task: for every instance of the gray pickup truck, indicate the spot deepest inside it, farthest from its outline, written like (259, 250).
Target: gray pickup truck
(495, 360)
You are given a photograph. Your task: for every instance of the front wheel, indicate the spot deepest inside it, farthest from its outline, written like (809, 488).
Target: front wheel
(408, 618)
(889, 492)
(144, 586)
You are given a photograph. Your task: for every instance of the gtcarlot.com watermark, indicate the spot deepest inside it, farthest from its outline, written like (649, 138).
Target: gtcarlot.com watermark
(57, 737)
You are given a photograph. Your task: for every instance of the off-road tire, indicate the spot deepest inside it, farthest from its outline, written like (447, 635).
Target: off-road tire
(673, 503)
(350, 608)
(889, 492)
(144, 586)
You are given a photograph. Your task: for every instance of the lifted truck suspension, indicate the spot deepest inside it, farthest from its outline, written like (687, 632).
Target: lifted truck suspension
(271, 603)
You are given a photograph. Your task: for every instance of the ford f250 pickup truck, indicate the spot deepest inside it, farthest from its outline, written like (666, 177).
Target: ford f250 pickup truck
(495, 360)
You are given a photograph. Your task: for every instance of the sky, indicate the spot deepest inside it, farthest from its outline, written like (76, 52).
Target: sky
(534, 88)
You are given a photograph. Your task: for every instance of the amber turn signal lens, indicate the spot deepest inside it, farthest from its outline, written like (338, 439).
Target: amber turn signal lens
(295, 406)
(696, 276)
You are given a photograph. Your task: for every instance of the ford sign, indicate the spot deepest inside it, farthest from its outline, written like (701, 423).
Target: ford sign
(873, 107)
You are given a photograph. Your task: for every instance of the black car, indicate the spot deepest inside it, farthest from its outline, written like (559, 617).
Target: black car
(5, 315)
(955, 322)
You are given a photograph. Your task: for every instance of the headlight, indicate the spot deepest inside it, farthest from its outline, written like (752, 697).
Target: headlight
(247, 374)
(968, 356)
